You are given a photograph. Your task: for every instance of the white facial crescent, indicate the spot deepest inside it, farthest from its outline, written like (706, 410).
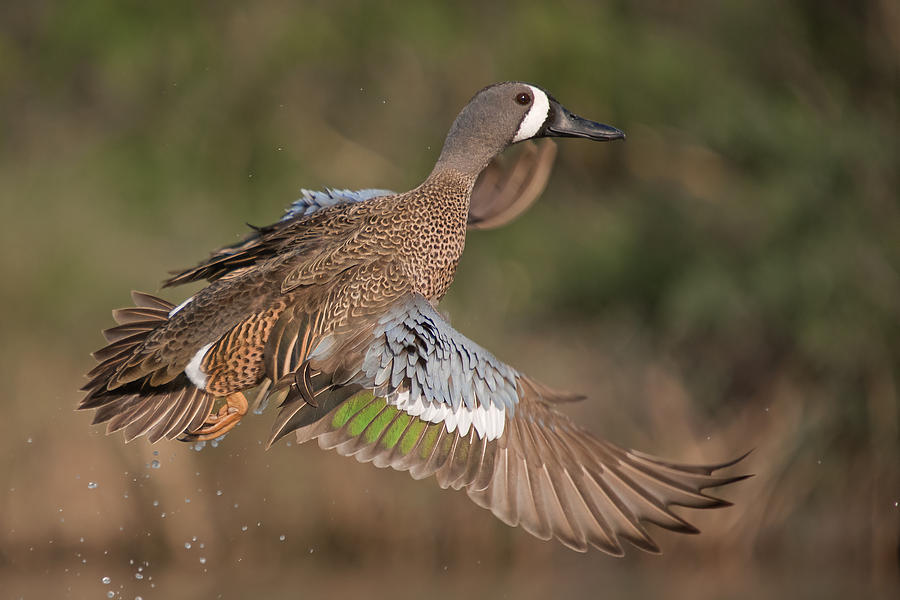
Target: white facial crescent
(536, 116)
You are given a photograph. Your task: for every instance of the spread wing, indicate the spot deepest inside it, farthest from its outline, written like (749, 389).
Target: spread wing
(503, 191)
(405, 390)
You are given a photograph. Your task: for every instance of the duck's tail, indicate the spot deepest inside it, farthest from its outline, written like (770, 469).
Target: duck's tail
(161, 405)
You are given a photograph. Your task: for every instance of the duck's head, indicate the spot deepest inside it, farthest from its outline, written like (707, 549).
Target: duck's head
(506, 113)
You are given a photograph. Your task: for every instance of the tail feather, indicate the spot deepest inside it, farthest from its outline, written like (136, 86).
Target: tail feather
(134, 314)
(119, 347)
(179, 416)
(114, 334)
(144, 300)
(138, 406)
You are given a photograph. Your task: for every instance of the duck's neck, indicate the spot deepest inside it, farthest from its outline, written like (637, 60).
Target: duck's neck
(436, 215)
(469, 147)
(453, 181)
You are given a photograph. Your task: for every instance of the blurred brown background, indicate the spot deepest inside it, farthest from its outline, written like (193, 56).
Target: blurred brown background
(728, 278)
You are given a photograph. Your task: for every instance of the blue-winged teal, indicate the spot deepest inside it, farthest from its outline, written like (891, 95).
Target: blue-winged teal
(332, 310)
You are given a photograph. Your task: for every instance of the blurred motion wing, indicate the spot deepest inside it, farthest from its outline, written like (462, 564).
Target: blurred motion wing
(506, 189)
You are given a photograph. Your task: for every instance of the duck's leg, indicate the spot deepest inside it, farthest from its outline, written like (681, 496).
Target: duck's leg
(221, 422)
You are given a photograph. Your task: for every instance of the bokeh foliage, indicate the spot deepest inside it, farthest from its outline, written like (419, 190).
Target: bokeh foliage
(734, 266)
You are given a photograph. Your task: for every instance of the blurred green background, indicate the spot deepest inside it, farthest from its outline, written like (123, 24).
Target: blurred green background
(728, 278)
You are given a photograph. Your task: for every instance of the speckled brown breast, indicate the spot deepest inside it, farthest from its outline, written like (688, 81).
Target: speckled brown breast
(435, 232)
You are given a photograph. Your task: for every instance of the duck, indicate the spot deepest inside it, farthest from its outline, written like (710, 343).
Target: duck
(333, 311)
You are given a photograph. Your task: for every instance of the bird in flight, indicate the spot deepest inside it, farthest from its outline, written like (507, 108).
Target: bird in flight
(332, 310)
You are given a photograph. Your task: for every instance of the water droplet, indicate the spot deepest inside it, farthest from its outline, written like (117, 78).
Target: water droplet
(110, 594)
(106, 580)
(92, 485)
(154, 464)
(187, 545)
(29, 440)
(202, 560)
(187, 500)
(219, 492)
(311, 550)
(138, 576)
(243, 528)
(156, 503)
(281, 537)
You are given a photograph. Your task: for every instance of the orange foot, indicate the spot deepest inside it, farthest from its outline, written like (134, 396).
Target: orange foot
(220, 423)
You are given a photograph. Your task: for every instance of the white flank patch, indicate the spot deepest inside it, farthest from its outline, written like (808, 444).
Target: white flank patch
(488, 421)
(535, 118)
(193, 369)
(180, 306)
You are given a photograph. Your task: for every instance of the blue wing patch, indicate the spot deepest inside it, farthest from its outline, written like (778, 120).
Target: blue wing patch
(312, 200)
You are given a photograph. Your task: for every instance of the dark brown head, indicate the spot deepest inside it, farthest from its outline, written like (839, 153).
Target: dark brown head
(506, 113)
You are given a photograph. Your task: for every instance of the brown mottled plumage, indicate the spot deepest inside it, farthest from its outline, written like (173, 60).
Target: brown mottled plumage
(331, 310)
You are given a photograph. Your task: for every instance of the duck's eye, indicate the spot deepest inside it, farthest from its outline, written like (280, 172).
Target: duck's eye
(524, 98)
